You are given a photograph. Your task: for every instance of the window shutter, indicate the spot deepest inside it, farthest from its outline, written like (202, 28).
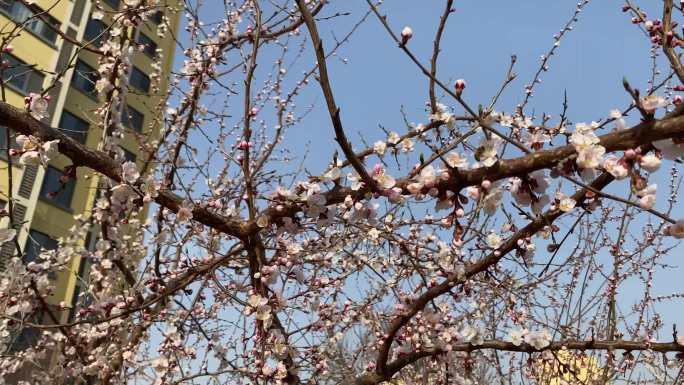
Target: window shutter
(65, 52)
(27, 181)
(77, 13)
(7, 250)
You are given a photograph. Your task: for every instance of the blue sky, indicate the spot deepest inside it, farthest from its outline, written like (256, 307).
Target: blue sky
(376, 79)
(480, 37)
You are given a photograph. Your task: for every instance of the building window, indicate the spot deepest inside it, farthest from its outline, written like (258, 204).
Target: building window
(113, 3)
(84, 78)
(54, 191)
(20, 13)
(157, 17)
(74, 126)
(21, 76)
(133, 118)
(36, 243)
(140, 80)
(150, 47)
(94, 31)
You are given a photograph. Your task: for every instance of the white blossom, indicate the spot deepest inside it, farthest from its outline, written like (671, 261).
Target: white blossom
(442, 114)
(538, 339)
(535, 139)
(393, 138)
(612, 165)
(355, 180)
(647, 196)
(427, 176)
(651, 103)
(456, 160)
(130, 173)
(590, 157)
(650, 162)
(385, 181)
(619, 121)
(516, 337)
(38, 106)
(472, 335)
(380, 147)
(586, 143)
(583, 139)
(493, 240)
(489, 151)
(373, 234)
(407, 145)
(565, 203)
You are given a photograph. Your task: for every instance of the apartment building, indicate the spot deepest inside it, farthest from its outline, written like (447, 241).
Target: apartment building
(43, 206)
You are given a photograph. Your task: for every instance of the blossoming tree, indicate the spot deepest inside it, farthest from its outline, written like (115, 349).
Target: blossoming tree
(495, 255)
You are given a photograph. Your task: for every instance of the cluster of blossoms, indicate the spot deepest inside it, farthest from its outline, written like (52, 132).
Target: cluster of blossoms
(488, 151)
(259, 306)
(564, 203)
(324, 263)
(33, 151)
(654, 28)
(647, 196)
(37, 105)
(530, 190)
(616, 115)
(539, 339)
(442, 114)
(651, 103)
(617, 167)
(586, 143)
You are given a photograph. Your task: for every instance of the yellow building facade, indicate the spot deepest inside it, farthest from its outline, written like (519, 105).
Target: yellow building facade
(43, 206)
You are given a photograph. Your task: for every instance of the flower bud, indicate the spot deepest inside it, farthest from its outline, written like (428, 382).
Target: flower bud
(406, 34)
(486, 184)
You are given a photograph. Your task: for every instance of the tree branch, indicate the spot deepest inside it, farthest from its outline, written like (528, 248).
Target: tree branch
(333, 109)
